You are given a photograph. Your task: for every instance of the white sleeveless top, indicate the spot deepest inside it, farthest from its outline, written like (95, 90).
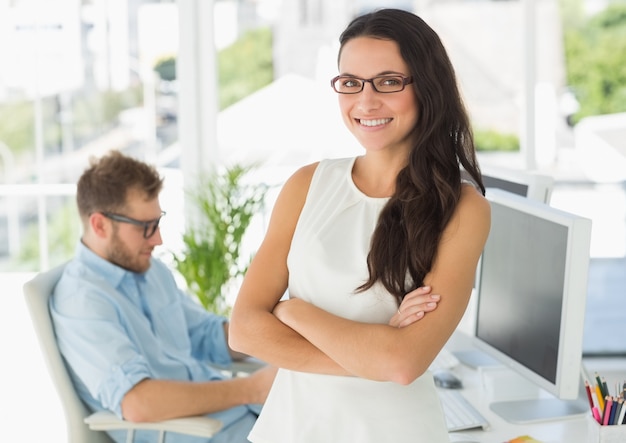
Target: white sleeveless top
(327, 261)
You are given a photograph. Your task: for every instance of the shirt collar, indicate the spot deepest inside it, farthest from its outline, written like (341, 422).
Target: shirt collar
(113, 273)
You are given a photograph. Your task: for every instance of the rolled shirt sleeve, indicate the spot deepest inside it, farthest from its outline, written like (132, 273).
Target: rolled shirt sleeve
(115, 328)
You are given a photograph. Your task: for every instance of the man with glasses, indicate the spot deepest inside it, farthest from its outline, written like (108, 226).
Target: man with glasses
(134, 342)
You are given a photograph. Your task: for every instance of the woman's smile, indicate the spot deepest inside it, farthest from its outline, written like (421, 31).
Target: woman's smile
(373, 122)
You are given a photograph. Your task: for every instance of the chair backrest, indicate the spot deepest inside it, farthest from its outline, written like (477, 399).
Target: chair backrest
(37, 292)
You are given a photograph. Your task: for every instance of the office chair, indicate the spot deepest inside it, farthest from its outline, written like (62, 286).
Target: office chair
(82, 425)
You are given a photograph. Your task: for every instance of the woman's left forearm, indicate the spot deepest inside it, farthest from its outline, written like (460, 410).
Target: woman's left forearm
(353, 345)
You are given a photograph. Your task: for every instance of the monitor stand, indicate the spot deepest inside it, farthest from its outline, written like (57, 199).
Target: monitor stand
(539, 409)
(520, 401)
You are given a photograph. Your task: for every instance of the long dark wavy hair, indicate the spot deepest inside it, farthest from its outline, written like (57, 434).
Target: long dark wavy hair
(428, 188)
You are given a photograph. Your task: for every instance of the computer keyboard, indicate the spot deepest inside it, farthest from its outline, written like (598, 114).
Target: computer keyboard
(459, 413)
(444, 360)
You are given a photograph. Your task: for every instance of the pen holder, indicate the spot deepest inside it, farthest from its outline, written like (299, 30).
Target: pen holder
(605, 434)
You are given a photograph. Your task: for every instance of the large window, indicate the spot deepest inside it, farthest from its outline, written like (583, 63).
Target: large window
(78, 79)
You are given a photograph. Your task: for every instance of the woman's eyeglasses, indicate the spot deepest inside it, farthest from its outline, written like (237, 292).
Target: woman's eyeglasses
(149, 227)
(386, 84)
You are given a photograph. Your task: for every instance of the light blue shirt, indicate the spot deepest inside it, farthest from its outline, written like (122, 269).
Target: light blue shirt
(115, 328)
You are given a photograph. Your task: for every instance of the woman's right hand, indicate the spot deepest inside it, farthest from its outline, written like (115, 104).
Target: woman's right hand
(414, 306)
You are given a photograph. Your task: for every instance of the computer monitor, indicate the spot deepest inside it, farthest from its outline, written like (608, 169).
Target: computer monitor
(530, 303)
(525, 183)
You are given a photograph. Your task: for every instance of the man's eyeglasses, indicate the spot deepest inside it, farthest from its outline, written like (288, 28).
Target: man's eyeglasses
(149, 227)
(386, 84)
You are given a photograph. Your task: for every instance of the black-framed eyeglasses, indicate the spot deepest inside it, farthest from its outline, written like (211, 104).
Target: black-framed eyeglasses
(149, 226)
(386, 84)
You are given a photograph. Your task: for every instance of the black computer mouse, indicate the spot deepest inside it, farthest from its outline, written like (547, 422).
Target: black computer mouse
(447, 380)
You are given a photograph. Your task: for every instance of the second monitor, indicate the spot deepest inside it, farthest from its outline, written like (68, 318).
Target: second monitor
(531, 295)
(531, 185)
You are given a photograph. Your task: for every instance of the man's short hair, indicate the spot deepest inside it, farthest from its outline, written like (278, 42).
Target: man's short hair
(103, 186)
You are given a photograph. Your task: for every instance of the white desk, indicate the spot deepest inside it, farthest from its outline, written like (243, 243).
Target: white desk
(570, 430)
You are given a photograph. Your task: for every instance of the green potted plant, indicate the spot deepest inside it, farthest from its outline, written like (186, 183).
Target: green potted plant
(210, 258)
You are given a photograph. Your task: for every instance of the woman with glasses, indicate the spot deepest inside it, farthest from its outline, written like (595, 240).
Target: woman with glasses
(363, 244)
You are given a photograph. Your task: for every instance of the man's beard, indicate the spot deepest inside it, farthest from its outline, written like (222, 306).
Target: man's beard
(120, 255)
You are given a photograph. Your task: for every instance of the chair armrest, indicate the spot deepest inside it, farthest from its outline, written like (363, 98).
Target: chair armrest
(241, 368)
(197, 426)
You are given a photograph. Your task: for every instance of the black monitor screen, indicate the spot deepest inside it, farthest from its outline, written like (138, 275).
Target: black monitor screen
(506, 185)
(521, 289)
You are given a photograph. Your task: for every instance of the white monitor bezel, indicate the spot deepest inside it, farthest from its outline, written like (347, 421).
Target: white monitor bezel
(539, 185)
(567, 383)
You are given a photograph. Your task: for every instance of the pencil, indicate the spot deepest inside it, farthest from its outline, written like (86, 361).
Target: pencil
(598, 381)
(608, 405)
(600, 398)
(620, 419)
(618, 411)
(588, 390)
(596, 414)
(614, 405)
